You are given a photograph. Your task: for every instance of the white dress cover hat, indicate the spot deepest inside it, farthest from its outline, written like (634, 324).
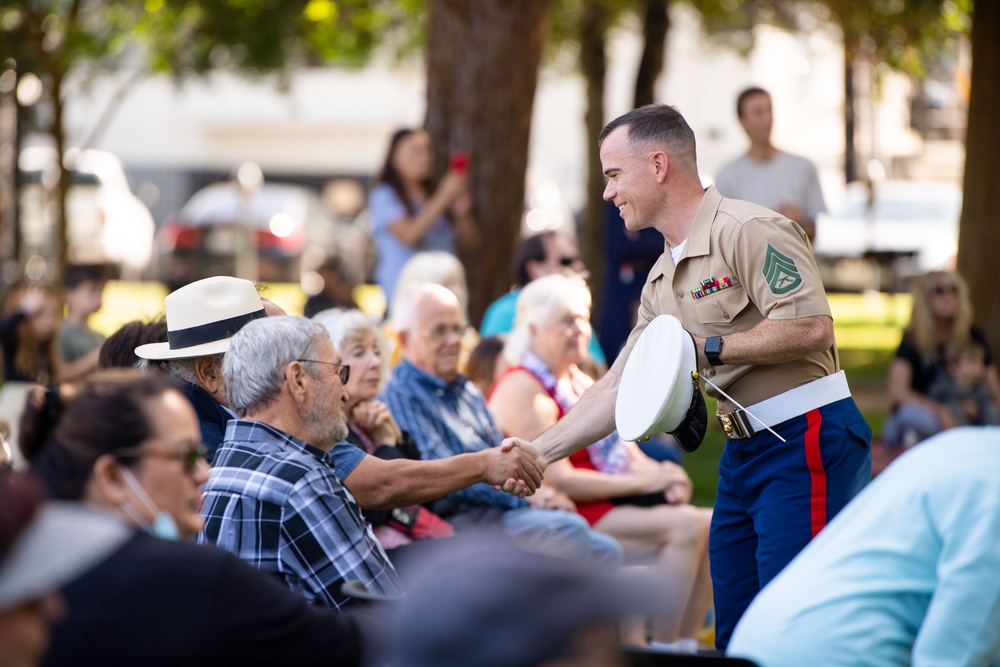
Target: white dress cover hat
(203, 316)
(658, 392)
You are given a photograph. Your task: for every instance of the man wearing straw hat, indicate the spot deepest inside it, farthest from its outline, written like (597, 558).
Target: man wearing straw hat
(202, 317)
(741, 279)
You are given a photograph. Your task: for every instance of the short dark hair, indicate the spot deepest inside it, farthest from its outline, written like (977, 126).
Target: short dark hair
(657, 123)
(118, 350)
(745, 95)
(531, 249)
(78, 274)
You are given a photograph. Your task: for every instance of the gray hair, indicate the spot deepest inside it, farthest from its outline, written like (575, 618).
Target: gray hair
(187, 369)
(252, 370)
(438, 267)
(347, 326)
(540, 302)
(404, 305)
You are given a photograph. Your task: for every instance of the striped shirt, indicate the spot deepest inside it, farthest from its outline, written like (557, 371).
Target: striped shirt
(276, 502)
(447, 418)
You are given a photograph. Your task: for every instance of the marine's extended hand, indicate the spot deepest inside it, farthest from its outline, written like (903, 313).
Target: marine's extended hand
(513, 469)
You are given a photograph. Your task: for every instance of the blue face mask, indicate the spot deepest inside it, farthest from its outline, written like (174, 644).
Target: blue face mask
(163, 525)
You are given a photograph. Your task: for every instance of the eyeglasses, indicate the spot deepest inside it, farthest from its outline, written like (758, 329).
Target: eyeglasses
(343, 370)
(442, 330)
(189, 457)
(569, 261)
(938, 290)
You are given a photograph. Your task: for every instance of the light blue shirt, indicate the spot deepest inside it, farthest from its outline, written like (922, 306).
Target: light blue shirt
(385, 208)
(907, 574)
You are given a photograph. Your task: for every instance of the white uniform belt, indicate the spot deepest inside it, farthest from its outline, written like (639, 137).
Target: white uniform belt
(786, 405)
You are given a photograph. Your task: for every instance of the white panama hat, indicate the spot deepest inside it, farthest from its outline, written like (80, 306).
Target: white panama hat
(658, 385)
(203, 316)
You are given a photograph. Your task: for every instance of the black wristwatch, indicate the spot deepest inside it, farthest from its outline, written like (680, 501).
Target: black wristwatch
(713, 348)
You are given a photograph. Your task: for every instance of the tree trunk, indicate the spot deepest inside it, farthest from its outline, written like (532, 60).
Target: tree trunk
(593, 63)
(656, 24)
(850, 154)
(979, 233)
(482, 70)
(62, 185)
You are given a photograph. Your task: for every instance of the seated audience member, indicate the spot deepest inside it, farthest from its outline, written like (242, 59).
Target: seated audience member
(371, 428)
(157, 599)
(276, 499)
(619, 490)
(963, 387)
(77, 345)
(905, 574)
(941, 319)
(459, 611)
(118, 350)
(201, 318)
(28, 331)
(447, 415)
(438, 268)
(337, 292)
(487, 363)
(536, 256)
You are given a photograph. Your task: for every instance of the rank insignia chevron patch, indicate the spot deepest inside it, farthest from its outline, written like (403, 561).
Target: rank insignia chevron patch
(780, 272)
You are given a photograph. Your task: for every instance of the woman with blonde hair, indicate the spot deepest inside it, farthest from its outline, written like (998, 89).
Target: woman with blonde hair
(644, 504)
(940, 323)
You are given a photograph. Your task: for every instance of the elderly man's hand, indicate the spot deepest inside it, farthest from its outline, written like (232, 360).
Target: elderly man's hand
(513, 469)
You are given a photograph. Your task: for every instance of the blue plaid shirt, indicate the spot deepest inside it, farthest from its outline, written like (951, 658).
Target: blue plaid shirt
(276, 502)
(447, 418)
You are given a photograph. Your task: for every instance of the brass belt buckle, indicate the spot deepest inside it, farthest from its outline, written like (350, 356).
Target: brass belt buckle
(732, 425)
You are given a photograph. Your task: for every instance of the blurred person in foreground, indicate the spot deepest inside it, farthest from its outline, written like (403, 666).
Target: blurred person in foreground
(411, 211)
(904, 575)
(125, 446)
(642, 503)
(279, 499)
(448, 417)
(768, 176)
(459, 612)
(41, 548)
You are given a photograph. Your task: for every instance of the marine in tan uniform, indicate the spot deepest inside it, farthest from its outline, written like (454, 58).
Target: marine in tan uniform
(742, 280)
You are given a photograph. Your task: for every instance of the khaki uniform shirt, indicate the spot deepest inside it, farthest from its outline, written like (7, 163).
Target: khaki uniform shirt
(742, 263)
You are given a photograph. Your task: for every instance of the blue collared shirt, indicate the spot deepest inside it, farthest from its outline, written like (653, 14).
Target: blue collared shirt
(276, 502)
(446, 419)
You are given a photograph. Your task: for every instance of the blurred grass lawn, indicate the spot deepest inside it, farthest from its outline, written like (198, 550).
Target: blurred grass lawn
(867, 327)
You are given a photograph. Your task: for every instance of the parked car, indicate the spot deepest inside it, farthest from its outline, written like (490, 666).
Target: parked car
(902, 228)
(292, 230)
(106, 222)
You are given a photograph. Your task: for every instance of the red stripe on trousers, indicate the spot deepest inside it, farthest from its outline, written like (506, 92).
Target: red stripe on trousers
(817, 475)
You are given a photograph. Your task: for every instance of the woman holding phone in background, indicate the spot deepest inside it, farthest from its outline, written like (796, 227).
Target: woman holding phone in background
(412, 212)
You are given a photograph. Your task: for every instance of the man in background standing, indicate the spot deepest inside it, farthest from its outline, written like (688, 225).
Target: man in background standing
(767, 176)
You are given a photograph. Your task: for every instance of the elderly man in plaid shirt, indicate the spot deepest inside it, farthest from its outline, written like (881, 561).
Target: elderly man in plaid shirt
(275, 496)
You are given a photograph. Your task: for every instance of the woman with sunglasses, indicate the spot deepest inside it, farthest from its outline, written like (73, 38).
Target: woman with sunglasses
(940, 323)
(127, 445)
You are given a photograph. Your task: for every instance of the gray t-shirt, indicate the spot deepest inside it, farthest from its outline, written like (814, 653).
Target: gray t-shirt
(784, 179)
